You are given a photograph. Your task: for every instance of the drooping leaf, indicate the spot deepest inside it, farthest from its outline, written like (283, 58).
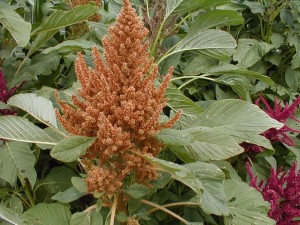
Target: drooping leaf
(177, 101)
(20, 129)
(137, 190)
(91, 217)
(16, 160)
(50, 214)
(207, 144)
(67, 196)
(212, 42)
(40, 108)
(239, 119)
(205, 179)
(71, 45)
(15, 24)
(215, 18)
(250, 51)
(246, 205)
(71, 148)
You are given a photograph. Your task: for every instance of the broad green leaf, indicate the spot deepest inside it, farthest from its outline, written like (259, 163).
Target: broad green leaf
(50, 214)
(246, 204)
(61, 19)
(250, 51)
(69, 195)
(4, 106)
(296, 60)
(215, 18)
(177, 101)
(200, 64)
(211, 42)
(11, 216)
(20, 129)
(71, 148)
(171, 6)
(43, 64)
(237, 118)
(57, 21)
(79, 183)
(205, 179)
(174, 137)
(40, 108)
(71, 45)
(16, 160)
(229, 69)
(207, 144)
(15, 24)
(255, 7)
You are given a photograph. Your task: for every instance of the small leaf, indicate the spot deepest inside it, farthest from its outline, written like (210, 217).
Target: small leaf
(250, 51)
(71, 148)
(50, 214)
(11, 216)
(69, 195)
(137, 190)
(20, 129)
(17, 159)
(292, 78)
(79, 183)
(40, 108)
(15, 24)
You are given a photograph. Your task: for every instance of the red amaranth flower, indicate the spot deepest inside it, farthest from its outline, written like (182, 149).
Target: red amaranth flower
(282, 191)
(281, 114)
(5, 94)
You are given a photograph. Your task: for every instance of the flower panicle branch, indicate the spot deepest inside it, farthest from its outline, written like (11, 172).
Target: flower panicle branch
(119, 104)
(282, 191)
(281, 114)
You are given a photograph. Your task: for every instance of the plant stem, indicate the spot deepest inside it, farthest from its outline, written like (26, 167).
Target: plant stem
(113, 211)
(165, 210)
(27, 190)
(174, 204)
(154, 46)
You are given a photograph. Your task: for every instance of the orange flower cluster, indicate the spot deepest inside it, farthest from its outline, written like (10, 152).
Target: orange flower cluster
(120, 106)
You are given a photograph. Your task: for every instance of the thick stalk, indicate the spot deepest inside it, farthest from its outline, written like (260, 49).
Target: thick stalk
(27, 190)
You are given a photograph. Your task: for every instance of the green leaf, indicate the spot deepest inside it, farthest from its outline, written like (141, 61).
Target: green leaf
(20, 129)
(137, 190)
(200, 64)
(215, 18)
(207, 144)
(246, 205)
(40, 108)
(296, 60)
(71, 45)
(91, 217)
(50, 214)
(11, 216)
(79, 183)
(69, 195)
(177, 101)
(17, 159)
(292, 78)
(58, 20)
(250, 51)
(71, 148)
(205, 179)
(43, 64)
(229, 69)
(15, 24)
(174, 137)
(255, 7)
(61, 19)
(237, 118)
(213, 42)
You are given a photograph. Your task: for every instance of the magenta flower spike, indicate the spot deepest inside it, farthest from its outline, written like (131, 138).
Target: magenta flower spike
(5, 94)
(282, 191)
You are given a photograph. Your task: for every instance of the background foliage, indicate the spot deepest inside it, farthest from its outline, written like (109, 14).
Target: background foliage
(225, 54)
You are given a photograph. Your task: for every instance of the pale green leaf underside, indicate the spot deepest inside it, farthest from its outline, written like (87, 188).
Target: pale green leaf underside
(40, 108)
(11, 216)
(20, 129)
